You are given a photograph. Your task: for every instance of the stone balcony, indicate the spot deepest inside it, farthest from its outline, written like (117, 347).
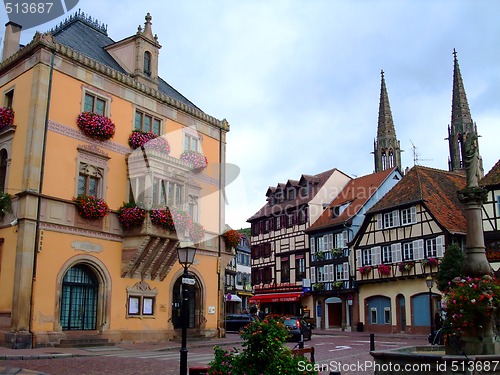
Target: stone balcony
(148, 252)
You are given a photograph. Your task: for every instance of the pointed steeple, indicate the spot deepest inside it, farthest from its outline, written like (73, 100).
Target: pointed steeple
(387, 151)
(461, 120)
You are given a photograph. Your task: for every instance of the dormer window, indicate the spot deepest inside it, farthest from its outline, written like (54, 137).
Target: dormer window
(337, 210)
(291, 194)
(147, 63)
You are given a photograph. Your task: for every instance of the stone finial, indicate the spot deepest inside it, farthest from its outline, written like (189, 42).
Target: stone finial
(148, 33)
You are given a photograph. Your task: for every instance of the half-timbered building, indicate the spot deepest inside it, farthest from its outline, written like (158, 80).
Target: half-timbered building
(332, 277)
(400, 243)
(491, 216)
(279, 245)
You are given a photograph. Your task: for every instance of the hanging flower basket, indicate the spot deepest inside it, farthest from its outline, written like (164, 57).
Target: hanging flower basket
(131, 216)
(139, 138)
(231, 238)
(198, 160)
(171, 219)
(6, 117)
(196, 232)
(95, 126)
(158, 144)
(384, 269)
(90, 207)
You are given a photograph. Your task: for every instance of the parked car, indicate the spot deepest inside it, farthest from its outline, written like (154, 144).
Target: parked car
(298, 328)
(235, 322)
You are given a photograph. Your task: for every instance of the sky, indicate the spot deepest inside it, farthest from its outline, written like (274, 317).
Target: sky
(299, 80)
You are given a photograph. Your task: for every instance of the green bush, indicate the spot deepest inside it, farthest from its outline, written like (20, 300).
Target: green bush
(264, 353)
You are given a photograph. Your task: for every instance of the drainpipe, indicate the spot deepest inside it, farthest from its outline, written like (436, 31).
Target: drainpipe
(40, 188)
(219, 268)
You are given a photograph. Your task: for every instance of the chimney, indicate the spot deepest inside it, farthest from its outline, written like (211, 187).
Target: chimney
(11, 39)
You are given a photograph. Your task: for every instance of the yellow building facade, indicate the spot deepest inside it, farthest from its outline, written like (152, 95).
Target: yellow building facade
(62, 273)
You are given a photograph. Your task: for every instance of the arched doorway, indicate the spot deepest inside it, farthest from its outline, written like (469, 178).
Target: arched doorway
(79, 299)
(194, 303)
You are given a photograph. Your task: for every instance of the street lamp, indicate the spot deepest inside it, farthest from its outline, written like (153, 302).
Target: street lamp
(186, 258)
(430, 283)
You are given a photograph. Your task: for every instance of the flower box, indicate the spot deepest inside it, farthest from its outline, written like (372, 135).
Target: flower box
(365, 270)
(148, 141)
(131, 216)
(384, 269)
(197, 160)
(6, 117)
(95, 126)
(405, 267)
(90, 207)
(171, 219)
(432, 262)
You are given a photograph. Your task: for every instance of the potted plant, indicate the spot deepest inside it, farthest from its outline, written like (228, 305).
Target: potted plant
(131, 216)
(231, 238)
(318, 286)
(338, 284)
(384, 269)
(98, 127)
(6, 117)
(337, 252)
(90, 207)
(320, 255)
(198, 160)
(148, 141)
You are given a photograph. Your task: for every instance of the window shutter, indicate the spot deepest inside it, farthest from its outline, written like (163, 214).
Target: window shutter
(380, 224)
(396, 252)
(313, 275)
(345, 265)
(313, 247)
(413, 210)
(375, 255)
(325, 243)
(345, 238)
(330, 241)
(330, 272)
(418, 249)
(396, 218)
(358, 258)
(440, 246)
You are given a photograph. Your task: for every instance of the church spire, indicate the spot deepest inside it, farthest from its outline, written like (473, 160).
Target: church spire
(386, 150)
(461, 120)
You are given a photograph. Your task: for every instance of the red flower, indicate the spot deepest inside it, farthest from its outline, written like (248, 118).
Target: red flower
(231, 238)
(96, 126)
(131, 216)
(90, 207)
(6, 116)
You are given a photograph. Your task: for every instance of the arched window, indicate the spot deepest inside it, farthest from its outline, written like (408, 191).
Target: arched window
(147, 63)
(3, 169)
(384, 160)
(391, 159)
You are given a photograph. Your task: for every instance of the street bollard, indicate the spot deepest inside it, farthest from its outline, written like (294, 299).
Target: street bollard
(372, 342)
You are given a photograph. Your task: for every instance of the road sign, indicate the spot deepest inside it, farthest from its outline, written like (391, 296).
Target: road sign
(229, 297)
(186, 280)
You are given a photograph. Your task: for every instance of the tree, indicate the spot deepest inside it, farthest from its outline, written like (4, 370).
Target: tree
(264, 353)
(451, 266)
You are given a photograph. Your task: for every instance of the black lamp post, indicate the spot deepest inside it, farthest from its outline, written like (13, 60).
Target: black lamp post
(430, 283)
(186, 258)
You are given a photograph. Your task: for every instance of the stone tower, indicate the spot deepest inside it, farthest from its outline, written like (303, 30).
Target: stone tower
(386, 148)
(461, 123)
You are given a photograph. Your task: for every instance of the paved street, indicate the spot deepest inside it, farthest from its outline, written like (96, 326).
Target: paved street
(333, 350)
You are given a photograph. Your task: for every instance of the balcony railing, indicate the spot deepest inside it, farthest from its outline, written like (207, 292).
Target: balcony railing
(401, 270)
(333, 286)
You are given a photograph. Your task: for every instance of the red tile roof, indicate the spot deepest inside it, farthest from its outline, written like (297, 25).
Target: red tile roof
(492, 177)
(357, 191)
(435, 189)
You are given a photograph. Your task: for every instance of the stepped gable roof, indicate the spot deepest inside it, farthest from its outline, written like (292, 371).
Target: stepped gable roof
(356, 193)
(435, 189)
(316, 181)
(88, 36)
(492, 178)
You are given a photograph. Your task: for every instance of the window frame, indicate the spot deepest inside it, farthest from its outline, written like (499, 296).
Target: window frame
(99, 95)
(153, 120)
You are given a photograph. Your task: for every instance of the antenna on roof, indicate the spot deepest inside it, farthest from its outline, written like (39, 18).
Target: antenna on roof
(415, 154)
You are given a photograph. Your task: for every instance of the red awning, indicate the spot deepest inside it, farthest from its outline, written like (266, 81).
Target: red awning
(275, 297)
